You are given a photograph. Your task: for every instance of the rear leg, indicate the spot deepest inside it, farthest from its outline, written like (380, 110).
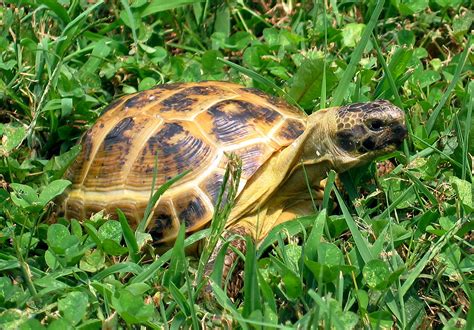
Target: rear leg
(257, 227)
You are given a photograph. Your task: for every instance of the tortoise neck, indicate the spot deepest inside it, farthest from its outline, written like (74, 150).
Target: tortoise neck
(319, 147)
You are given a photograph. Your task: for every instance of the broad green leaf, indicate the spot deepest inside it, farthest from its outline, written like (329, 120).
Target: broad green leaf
(13, 318)
(376, 273)
(111, 230)
(464, 189)
(147, 83)
(59, 164)
(307, 83)
(157, 6)
(381, 320)
(73, 306)
(329, 254)
(321, 272)
(131, 307)
(291, 281)
(11, 136)
(52, 190)
(210, 63)
(59, 238)
(410, 7)
(23, 195)
(92, 261)
(351, 34)
(113, 248)
(449, 3)
(222, 20)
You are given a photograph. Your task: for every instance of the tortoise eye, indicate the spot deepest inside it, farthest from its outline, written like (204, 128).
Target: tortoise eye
(376, 125)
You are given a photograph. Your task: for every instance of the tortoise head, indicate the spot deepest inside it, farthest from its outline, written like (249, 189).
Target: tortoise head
(367, 130)
(360, 132)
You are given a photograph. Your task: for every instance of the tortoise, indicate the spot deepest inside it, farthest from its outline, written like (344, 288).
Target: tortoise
(193, 126)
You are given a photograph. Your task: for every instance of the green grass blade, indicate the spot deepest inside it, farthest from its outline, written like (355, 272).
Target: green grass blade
(216, 275)
(94, 235)
(123, 267)
(151, 270)
(180, 299)
(423, 188)
(326, 53)
(251, 291)
(328, 188)
(225, 302)
(457, 74)
(467, 127)
(129, 237)
(292, 228)
(132, 24)
(174, 273)
(154, 199)
(348, 75)
(261, 79)
(396, 202)
(363, 246)
(432, 252)
(65, 40)
(222, 209)
(315, 236)
(57, 9)
(388, 74)
(156, 6)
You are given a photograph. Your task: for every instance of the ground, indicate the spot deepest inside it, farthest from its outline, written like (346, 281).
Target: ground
(384, 251)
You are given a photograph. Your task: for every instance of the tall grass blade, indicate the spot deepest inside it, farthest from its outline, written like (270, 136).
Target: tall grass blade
(154, 199)
(251, 290)
(132, 24)
(225, 202)
(348, 75)
(467, 128)
(129, 236)
(432, 252)
(457, 74)
(361, 243)
(151, 270)
(57, 9)
(261, 79)
(225, 302)
(156, 6)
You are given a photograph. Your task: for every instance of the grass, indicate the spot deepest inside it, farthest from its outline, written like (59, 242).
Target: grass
(396, 251)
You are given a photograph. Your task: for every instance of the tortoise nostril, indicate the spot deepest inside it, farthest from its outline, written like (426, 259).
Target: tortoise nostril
(400, 130)
(369, 144)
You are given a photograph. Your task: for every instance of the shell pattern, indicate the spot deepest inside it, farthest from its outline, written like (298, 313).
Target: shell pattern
(189, 126)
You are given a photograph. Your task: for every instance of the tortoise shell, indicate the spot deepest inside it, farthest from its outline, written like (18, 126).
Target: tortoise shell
(190, 126)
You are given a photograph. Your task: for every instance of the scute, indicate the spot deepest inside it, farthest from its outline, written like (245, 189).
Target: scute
(162, 221)
(178, 146)
(188, 126)
(192, 208)
(237, 120)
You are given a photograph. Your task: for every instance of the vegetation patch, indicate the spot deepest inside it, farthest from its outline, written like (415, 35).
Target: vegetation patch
(392, 243)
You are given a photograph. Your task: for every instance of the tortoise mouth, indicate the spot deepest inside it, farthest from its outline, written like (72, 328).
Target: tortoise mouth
(391, 139)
